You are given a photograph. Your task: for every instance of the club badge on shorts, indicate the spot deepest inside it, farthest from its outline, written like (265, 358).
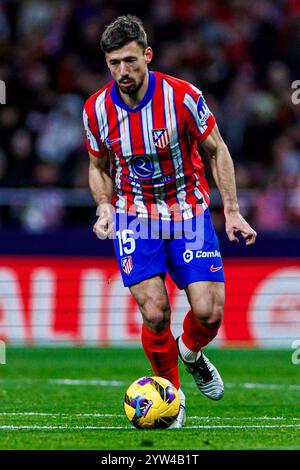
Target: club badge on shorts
(161, 137)
(127, 264)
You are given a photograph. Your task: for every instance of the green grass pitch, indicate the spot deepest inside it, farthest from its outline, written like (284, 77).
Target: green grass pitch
(72, 398)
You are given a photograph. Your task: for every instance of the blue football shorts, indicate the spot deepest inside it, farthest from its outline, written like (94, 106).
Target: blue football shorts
(188, 250)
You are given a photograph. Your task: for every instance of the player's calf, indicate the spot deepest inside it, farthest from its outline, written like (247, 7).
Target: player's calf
(195, 336)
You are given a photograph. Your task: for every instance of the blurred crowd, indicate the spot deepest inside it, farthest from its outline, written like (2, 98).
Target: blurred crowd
(243, 54)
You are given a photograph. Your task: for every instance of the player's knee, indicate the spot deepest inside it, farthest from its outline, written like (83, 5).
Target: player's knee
(156, 322)
(210, 314)
(156, 313)
(217, 313)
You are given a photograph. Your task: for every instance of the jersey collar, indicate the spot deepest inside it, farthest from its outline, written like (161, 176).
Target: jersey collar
(148, 95)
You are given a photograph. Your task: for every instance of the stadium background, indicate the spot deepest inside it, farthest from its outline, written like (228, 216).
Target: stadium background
(58, 283)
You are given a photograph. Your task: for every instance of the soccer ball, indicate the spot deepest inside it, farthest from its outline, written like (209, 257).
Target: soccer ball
(151, 402)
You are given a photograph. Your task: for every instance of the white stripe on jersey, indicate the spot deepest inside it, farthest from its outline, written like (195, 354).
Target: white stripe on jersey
(147, 126)
(101, 116)
(93, 142)
(150, 149)
(121, 201)
(199, 194)
(195, 89)
(127, 153)
(200, 197)
(192, 106)
(176, 154)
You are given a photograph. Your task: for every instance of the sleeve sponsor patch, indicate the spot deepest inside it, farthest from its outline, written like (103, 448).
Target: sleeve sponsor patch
(202, 110)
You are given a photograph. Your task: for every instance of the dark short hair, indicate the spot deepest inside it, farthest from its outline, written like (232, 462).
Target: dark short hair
(122, 31)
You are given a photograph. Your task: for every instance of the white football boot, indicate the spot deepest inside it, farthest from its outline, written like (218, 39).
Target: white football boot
(205, 374)
(180, 420)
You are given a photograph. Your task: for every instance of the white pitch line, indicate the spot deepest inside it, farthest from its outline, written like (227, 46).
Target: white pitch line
(246, 426)
(272, 386)
(263, 386)
(111, 415)
(65, 427)
(119, 383)
(27, 413)
(244, 418)
(55, 415)
(91, 428)
(99, 415)
(95, 382)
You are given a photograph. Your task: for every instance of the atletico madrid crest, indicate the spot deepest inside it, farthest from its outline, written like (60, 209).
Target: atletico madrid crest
(161, 137)
(127, 264)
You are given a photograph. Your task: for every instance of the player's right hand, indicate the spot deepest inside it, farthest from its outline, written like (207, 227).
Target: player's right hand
(104, 226)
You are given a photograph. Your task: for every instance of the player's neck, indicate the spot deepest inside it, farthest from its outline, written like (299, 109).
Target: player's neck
(132, 101)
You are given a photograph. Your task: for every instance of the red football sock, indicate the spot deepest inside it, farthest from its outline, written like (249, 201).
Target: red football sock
(195, 335)
(161, 350)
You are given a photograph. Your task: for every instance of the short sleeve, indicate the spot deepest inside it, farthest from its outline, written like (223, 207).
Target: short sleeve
(199, 119)
(93, 143)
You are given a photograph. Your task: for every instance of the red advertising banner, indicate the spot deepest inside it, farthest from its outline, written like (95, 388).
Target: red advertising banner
(83, 301)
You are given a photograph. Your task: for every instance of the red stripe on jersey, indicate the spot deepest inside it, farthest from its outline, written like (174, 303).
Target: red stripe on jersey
(136, 133)
(112, 121)
(89, 108)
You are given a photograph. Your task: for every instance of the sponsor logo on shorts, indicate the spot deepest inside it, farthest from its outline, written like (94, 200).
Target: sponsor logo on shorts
(189, 255)
(215, 269)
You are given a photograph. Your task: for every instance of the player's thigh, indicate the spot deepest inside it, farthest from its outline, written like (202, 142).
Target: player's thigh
(152, 298)
(139, 256)
(207, 299)
(194, 255)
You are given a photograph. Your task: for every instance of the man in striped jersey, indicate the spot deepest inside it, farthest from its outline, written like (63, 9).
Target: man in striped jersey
(143, 130)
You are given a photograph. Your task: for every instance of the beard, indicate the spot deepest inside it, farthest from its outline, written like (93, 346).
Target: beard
(132, 88)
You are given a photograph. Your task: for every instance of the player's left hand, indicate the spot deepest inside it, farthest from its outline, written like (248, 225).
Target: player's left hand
(235, 222)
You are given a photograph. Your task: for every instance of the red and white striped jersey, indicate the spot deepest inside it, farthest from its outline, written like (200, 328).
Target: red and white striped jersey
(154, 162)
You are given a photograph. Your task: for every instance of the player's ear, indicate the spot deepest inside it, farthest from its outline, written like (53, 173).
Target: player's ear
(148, 54)
(106, 60)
